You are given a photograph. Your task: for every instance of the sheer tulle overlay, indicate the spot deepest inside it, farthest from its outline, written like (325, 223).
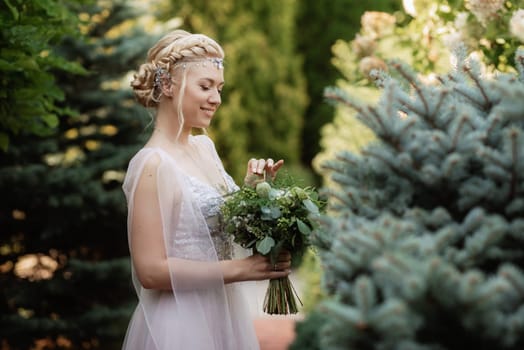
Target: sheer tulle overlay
(200, 312)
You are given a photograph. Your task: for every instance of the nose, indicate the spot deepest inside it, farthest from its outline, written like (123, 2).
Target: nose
(215, 97)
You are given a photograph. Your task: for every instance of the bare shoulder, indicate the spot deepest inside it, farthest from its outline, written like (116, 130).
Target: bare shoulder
(151, 164)
(146, 163)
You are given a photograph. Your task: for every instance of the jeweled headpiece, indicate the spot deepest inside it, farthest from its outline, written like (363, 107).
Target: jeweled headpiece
(215, 61)
(160, 75)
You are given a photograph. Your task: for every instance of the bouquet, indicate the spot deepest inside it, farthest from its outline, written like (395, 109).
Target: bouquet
(268, 219)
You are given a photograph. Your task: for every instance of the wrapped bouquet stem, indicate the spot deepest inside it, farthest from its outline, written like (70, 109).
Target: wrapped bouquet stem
(281, 297)
(268, 219)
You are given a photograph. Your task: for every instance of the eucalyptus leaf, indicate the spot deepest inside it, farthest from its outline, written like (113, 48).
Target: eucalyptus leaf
(265, 213)
(264, 246)
(303, 228)
(310, 206)
(275, 212)
(273, 194)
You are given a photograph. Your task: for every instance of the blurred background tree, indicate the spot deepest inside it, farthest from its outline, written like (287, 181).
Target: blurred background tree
(264, 96)
(29, 97)
(422, 243)
(421, 34)
(319, 26)
(70, 137)
(64, 265)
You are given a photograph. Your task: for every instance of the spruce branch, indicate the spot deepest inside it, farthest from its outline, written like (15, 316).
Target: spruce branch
(385, 133)
(442, 96)
(494, 121)
(408, 103)
(345, 198)
(409, 76)
(365, 295)
(519, 60)
(336, 95)
(514, 277)
(514, 134)
(463, 120)
(434, 218)
(391, 166)
(462, 90)
(487, 103)
(408, 126)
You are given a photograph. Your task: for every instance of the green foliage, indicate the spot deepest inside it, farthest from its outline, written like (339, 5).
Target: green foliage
(421, 35)
(264, 96)
(422, 243)
(30, 97)
(307, 332)
(269, 218)
(63, 212)
(320, 24)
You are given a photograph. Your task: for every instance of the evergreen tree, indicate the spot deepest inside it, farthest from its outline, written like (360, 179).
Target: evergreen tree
(320, 25)
(421, 34)
(64, 267)
(422, 244)
(264, 96)
(29, 95)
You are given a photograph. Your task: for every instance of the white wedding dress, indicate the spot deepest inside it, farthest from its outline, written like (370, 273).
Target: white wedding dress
(201, 312)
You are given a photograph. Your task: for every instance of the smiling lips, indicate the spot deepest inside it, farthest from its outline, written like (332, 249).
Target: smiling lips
(209, 111)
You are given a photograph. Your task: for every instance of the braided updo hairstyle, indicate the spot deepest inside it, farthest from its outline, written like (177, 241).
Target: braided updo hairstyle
(167, 55)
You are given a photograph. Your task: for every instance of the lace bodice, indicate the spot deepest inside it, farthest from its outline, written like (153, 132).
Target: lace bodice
(209, 201)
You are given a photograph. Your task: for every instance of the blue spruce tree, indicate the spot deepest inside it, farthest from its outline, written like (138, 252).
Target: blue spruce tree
(422, 246)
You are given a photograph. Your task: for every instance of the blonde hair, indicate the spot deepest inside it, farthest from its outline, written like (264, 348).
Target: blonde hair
(167, 55)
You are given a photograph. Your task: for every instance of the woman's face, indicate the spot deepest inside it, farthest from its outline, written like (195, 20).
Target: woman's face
(204, 83)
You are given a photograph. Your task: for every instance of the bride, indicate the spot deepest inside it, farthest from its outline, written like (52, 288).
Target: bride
(184, 268)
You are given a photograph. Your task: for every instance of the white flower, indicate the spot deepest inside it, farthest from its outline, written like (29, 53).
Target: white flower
(484, 10)
(461, 20)
(409, 7)
(516, 24)
(376, 24)
(363, 45)
(452, 40)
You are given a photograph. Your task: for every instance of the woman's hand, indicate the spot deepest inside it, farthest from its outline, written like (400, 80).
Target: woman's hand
(260, 169)
(257, 267)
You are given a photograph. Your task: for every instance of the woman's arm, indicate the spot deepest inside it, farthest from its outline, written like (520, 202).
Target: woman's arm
(148, 250)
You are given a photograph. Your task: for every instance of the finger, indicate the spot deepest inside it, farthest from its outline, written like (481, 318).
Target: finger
(277, 165)
(269, 163)
(252, 166)
(274, 169)
(261, 164)
(278, 274)
(282, 265)
(284, 256)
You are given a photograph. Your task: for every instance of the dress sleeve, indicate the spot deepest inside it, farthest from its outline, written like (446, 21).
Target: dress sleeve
(195, 313)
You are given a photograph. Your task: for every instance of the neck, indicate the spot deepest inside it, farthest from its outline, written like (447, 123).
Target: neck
(167, 125)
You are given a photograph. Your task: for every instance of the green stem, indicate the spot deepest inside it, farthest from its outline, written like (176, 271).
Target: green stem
(281, 297)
